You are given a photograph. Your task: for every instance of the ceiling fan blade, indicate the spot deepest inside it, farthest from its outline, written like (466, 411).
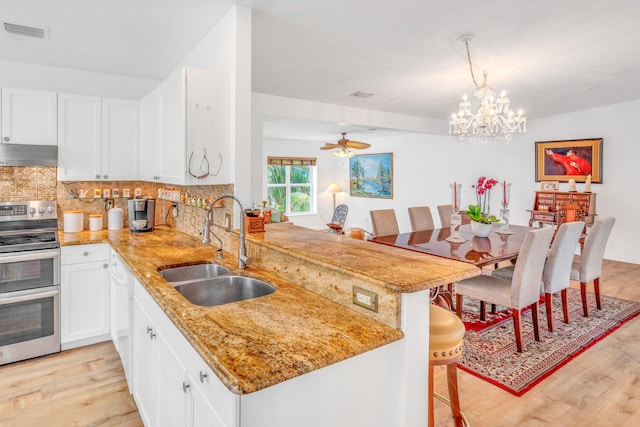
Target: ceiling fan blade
(329, 146)
(357, 145)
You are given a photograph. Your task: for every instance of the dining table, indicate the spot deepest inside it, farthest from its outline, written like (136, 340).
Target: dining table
(480, 251)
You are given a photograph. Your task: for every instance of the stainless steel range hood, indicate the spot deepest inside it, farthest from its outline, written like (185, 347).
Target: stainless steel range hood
(28, 155)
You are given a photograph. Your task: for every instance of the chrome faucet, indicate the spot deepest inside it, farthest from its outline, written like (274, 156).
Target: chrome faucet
(207, 229)
(243, 257)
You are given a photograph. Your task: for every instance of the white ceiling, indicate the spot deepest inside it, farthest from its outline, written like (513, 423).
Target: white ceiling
(551, 56)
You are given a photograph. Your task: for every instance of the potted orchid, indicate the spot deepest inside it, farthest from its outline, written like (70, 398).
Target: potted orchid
(479, 213)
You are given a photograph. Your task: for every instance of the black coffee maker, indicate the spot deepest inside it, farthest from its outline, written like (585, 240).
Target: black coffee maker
(142, 212)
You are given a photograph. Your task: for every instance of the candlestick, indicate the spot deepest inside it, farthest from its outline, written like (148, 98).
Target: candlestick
(506, 189)
(455, 196)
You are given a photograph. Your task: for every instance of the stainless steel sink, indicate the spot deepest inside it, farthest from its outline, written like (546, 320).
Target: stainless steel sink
(223, 290)
(190, 273)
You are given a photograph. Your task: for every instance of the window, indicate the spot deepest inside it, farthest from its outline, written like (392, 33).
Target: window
(291, 184)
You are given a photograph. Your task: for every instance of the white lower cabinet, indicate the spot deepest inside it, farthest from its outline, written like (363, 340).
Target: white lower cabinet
(167, 390)
(84, 295)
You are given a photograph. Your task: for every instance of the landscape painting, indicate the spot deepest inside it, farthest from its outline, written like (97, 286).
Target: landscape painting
(371, 175)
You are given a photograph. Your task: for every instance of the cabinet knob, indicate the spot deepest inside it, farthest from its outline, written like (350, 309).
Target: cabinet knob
(105, 176)
(85, 253)
(6, 139)
(203, 375)
(97, 176)
(185, 386)
(105, 265)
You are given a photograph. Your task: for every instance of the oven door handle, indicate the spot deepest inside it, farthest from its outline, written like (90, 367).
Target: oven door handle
(33, 294)
(34, 256)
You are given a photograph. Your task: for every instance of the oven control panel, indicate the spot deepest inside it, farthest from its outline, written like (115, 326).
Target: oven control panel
(11, 211)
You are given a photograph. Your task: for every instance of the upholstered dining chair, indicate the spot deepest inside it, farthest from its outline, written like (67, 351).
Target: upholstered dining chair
(338, 219)
(557, 268)
(521, 291)
(589, 266)
(445, 211)
(421, 218)
(384, 222)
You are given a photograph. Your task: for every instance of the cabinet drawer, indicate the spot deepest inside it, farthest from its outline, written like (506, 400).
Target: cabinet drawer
(84, 253)
(580, 197)
(543, 217)
(545, 196)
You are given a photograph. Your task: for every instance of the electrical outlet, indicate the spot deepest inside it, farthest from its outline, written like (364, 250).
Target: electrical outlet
(365, 298)
(108, 204)
(175, 210)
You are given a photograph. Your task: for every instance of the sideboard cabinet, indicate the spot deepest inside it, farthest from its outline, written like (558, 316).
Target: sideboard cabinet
(547, 206)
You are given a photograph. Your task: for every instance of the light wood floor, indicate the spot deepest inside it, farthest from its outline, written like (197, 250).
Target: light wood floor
(80, 387)
(601, 387)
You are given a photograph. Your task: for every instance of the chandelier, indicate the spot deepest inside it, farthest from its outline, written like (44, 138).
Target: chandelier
(494, 120)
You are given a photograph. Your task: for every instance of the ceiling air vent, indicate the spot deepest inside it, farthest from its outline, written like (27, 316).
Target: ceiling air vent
(359, 94)
(22, 30)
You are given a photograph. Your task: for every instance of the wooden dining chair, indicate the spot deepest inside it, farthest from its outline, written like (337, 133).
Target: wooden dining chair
(421, 218)
(589, 266)
(384, 222)
(338, 219)
(521, 291)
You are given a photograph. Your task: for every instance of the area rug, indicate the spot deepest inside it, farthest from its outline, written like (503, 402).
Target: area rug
(490, 349)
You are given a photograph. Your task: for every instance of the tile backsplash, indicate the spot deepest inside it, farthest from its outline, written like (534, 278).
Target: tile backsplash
(23, 183)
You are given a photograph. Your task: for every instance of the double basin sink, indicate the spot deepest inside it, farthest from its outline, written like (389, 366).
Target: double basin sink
(212, 284)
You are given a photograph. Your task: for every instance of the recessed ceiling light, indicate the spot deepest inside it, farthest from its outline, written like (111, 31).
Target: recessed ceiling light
(23, 30)
(360, 94)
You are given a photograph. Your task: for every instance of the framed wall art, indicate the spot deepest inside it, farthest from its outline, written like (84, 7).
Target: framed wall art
(563, 160)
(371, 175)
(549, 185)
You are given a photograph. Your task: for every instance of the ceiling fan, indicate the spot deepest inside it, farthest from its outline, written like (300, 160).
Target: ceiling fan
(345, 146)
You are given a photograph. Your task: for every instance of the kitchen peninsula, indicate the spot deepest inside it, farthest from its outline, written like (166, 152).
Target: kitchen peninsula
(266, 351)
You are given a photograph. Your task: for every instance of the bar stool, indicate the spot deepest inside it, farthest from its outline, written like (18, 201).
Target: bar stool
(446, 333)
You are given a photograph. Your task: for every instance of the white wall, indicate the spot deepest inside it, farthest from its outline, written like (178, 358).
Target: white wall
(424, 165)
(22, 75)
(226, 50)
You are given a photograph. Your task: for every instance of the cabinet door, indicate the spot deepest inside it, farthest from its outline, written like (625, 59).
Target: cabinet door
(172, 383)
(203, 413)
(29, 117)
(119, 139)
(150, 137)
(84, 304)
(145, 362)
(172, 127)
(79, 137)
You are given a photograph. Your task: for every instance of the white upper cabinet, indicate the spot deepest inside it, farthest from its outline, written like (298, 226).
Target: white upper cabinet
(98, 138)
(29, 117)
(184, 130)
(119, 139)
(79, 137)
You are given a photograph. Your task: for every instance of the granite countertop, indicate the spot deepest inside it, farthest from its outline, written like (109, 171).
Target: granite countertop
(251, 344)
(397, 269)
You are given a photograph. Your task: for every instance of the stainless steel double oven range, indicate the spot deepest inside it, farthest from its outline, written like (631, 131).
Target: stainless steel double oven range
(29, 280)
